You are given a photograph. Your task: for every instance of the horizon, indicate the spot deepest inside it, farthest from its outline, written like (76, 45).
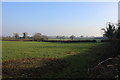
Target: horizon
(58, 18)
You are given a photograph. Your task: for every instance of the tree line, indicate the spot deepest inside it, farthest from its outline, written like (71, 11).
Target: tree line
(112, 32)
(72, 37)
(35, 37)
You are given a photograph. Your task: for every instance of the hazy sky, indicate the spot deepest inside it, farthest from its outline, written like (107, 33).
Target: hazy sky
(58, 18)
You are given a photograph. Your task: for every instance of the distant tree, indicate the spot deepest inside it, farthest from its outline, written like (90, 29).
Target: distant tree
(60, 37)
(72, 37)
(117, 32)
(16, 35)
(63, 37)
(0, 38)
(57, 37)
(37, 37)
(44, 37)
(81, 36)
(25, 35)
(109, 31)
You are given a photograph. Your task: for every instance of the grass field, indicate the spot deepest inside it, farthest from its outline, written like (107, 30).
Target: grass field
(50, 60)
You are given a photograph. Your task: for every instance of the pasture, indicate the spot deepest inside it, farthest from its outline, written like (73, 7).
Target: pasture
(50, 60)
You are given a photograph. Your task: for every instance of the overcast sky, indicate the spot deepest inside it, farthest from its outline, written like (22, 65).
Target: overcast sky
(58, 18)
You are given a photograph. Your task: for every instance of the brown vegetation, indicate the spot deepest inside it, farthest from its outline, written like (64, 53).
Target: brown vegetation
(32, 67)
(108, 68)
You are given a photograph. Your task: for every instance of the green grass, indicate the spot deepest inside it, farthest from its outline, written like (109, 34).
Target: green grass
(79, 56)
(15, 50)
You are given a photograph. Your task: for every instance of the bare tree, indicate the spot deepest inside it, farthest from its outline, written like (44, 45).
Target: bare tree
(37, 37)
(81, 36)
(60, 37)
(25, 35)
(44, 37)
(57, 37)
(16, 35)
(72, 37)
(0, 38)
(63, 37)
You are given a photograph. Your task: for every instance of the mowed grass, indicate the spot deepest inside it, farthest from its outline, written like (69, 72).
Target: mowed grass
(16, 50)
(50, 60)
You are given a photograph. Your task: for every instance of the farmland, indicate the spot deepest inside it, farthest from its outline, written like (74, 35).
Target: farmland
(50, 60)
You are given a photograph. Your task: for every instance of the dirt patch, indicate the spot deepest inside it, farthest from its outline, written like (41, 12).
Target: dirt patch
(26, 60)
(32, 67)
(72, 53)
